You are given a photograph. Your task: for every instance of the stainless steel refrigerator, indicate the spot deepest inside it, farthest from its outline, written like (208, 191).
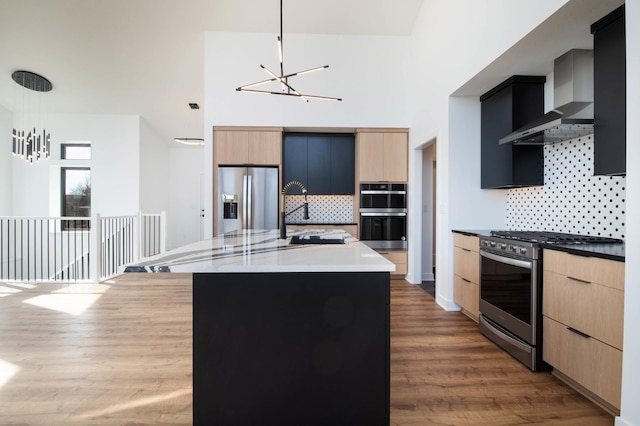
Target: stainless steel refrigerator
(248, 198)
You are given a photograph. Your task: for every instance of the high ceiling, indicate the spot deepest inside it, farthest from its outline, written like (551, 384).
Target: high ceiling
(145, 57)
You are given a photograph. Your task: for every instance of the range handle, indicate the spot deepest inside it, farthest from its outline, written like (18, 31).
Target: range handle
(527, 264)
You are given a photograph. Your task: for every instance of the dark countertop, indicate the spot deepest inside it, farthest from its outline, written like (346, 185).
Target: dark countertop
(605, 251)
(472, 232)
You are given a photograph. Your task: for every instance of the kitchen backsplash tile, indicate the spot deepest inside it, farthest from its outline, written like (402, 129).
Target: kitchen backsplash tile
(572, 199)
(322, 208)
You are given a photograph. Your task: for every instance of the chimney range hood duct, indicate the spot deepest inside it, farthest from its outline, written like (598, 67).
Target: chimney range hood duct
(573, 103)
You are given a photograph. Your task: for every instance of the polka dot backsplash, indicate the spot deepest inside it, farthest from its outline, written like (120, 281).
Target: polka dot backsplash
(322, 208)
(572, 200)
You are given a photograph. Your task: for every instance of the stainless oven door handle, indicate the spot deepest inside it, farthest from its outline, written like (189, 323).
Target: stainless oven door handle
(503, 259)
(380, 192)
(382, 214)
(499, 334)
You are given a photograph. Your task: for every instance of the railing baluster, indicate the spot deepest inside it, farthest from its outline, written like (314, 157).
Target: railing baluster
(21, 249)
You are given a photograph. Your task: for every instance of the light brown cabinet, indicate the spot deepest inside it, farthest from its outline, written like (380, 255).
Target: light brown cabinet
(382, 156)
(466, 269)
(583, 309)
(399, 258)
(255, 147)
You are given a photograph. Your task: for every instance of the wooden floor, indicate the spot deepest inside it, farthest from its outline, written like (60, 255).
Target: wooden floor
(120, 353)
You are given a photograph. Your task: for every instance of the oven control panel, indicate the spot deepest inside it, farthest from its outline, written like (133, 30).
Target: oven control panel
(514, 248)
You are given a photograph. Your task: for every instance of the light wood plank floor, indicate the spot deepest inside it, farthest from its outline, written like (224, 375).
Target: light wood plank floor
(120, 353)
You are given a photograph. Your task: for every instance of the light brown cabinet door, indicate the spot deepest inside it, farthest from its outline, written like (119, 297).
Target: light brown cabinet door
(587, 361)
(265, 148)
(247, 147)
(382, 157)
(466, 269)
(395, 157)
(583, 311)
(586, 306)
(371, 157)
(230, 147)
(467, 295)
(399, 258)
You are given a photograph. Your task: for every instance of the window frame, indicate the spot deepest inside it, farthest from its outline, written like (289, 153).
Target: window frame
(63, 199)
(64, 146)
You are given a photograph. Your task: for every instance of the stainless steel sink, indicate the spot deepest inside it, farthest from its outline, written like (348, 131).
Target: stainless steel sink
(315, 239)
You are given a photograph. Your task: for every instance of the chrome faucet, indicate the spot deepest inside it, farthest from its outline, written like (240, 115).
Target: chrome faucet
(284, 214)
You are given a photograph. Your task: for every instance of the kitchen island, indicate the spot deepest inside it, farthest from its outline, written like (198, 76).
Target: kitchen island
(284, 333)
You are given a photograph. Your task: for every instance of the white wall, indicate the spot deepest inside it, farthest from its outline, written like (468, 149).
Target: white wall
(114, 166)
(154, 166)
(6, 118)
(183, 215)
(630, 412)
(369, 73)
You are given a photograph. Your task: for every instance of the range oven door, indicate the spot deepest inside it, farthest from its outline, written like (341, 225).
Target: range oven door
(509, 293)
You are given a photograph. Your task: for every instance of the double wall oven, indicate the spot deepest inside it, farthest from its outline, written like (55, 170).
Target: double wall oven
(383, 215)
(511, 289)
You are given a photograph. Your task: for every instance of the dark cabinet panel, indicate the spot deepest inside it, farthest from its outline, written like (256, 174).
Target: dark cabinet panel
(505, 108)
(294, 349)
(609, 96)
(324, 163)
(318, 164)
(343, 158)
(294, 159)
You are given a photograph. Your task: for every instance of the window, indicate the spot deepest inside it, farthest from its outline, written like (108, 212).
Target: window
(76, 195)
(76, 151)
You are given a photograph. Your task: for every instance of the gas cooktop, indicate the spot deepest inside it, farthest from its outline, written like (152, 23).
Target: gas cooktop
(553, 237)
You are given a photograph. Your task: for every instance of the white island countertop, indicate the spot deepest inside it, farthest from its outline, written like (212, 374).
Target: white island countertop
(263, 251)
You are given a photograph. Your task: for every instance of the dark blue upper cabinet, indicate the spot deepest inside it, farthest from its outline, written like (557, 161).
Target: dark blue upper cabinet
(505, 108)
(323, 162)
(609, 94)
(343, 160)
(294, 159)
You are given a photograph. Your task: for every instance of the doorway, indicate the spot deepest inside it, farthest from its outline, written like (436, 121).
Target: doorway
(428, 217)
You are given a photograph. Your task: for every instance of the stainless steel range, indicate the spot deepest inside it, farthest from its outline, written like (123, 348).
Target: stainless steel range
(511, 289)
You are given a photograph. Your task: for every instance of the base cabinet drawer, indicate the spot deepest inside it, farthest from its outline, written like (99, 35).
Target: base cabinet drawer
(467, 295)
(399, 258)
(466, 263)
(599, 312)
(585, 360)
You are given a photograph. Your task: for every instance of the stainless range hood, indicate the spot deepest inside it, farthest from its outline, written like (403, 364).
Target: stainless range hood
(573, 103)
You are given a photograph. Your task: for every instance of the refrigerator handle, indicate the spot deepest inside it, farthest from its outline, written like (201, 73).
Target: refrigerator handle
(244, 202)
(249, 202)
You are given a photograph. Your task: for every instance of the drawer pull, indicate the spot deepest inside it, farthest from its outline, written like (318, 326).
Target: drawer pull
(466, 280)
(579, 280)
(580, 333)
(464, 249)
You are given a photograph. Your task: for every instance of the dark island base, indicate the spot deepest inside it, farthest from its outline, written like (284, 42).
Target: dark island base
(291, 348)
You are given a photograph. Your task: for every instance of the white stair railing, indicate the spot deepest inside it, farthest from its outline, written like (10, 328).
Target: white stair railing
(76, 249)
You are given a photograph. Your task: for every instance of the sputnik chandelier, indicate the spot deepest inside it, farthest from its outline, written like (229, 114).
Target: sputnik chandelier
(287, 89)
(31, 144)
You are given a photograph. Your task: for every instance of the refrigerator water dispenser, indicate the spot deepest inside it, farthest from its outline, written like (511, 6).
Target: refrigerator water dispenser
(230, 206)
